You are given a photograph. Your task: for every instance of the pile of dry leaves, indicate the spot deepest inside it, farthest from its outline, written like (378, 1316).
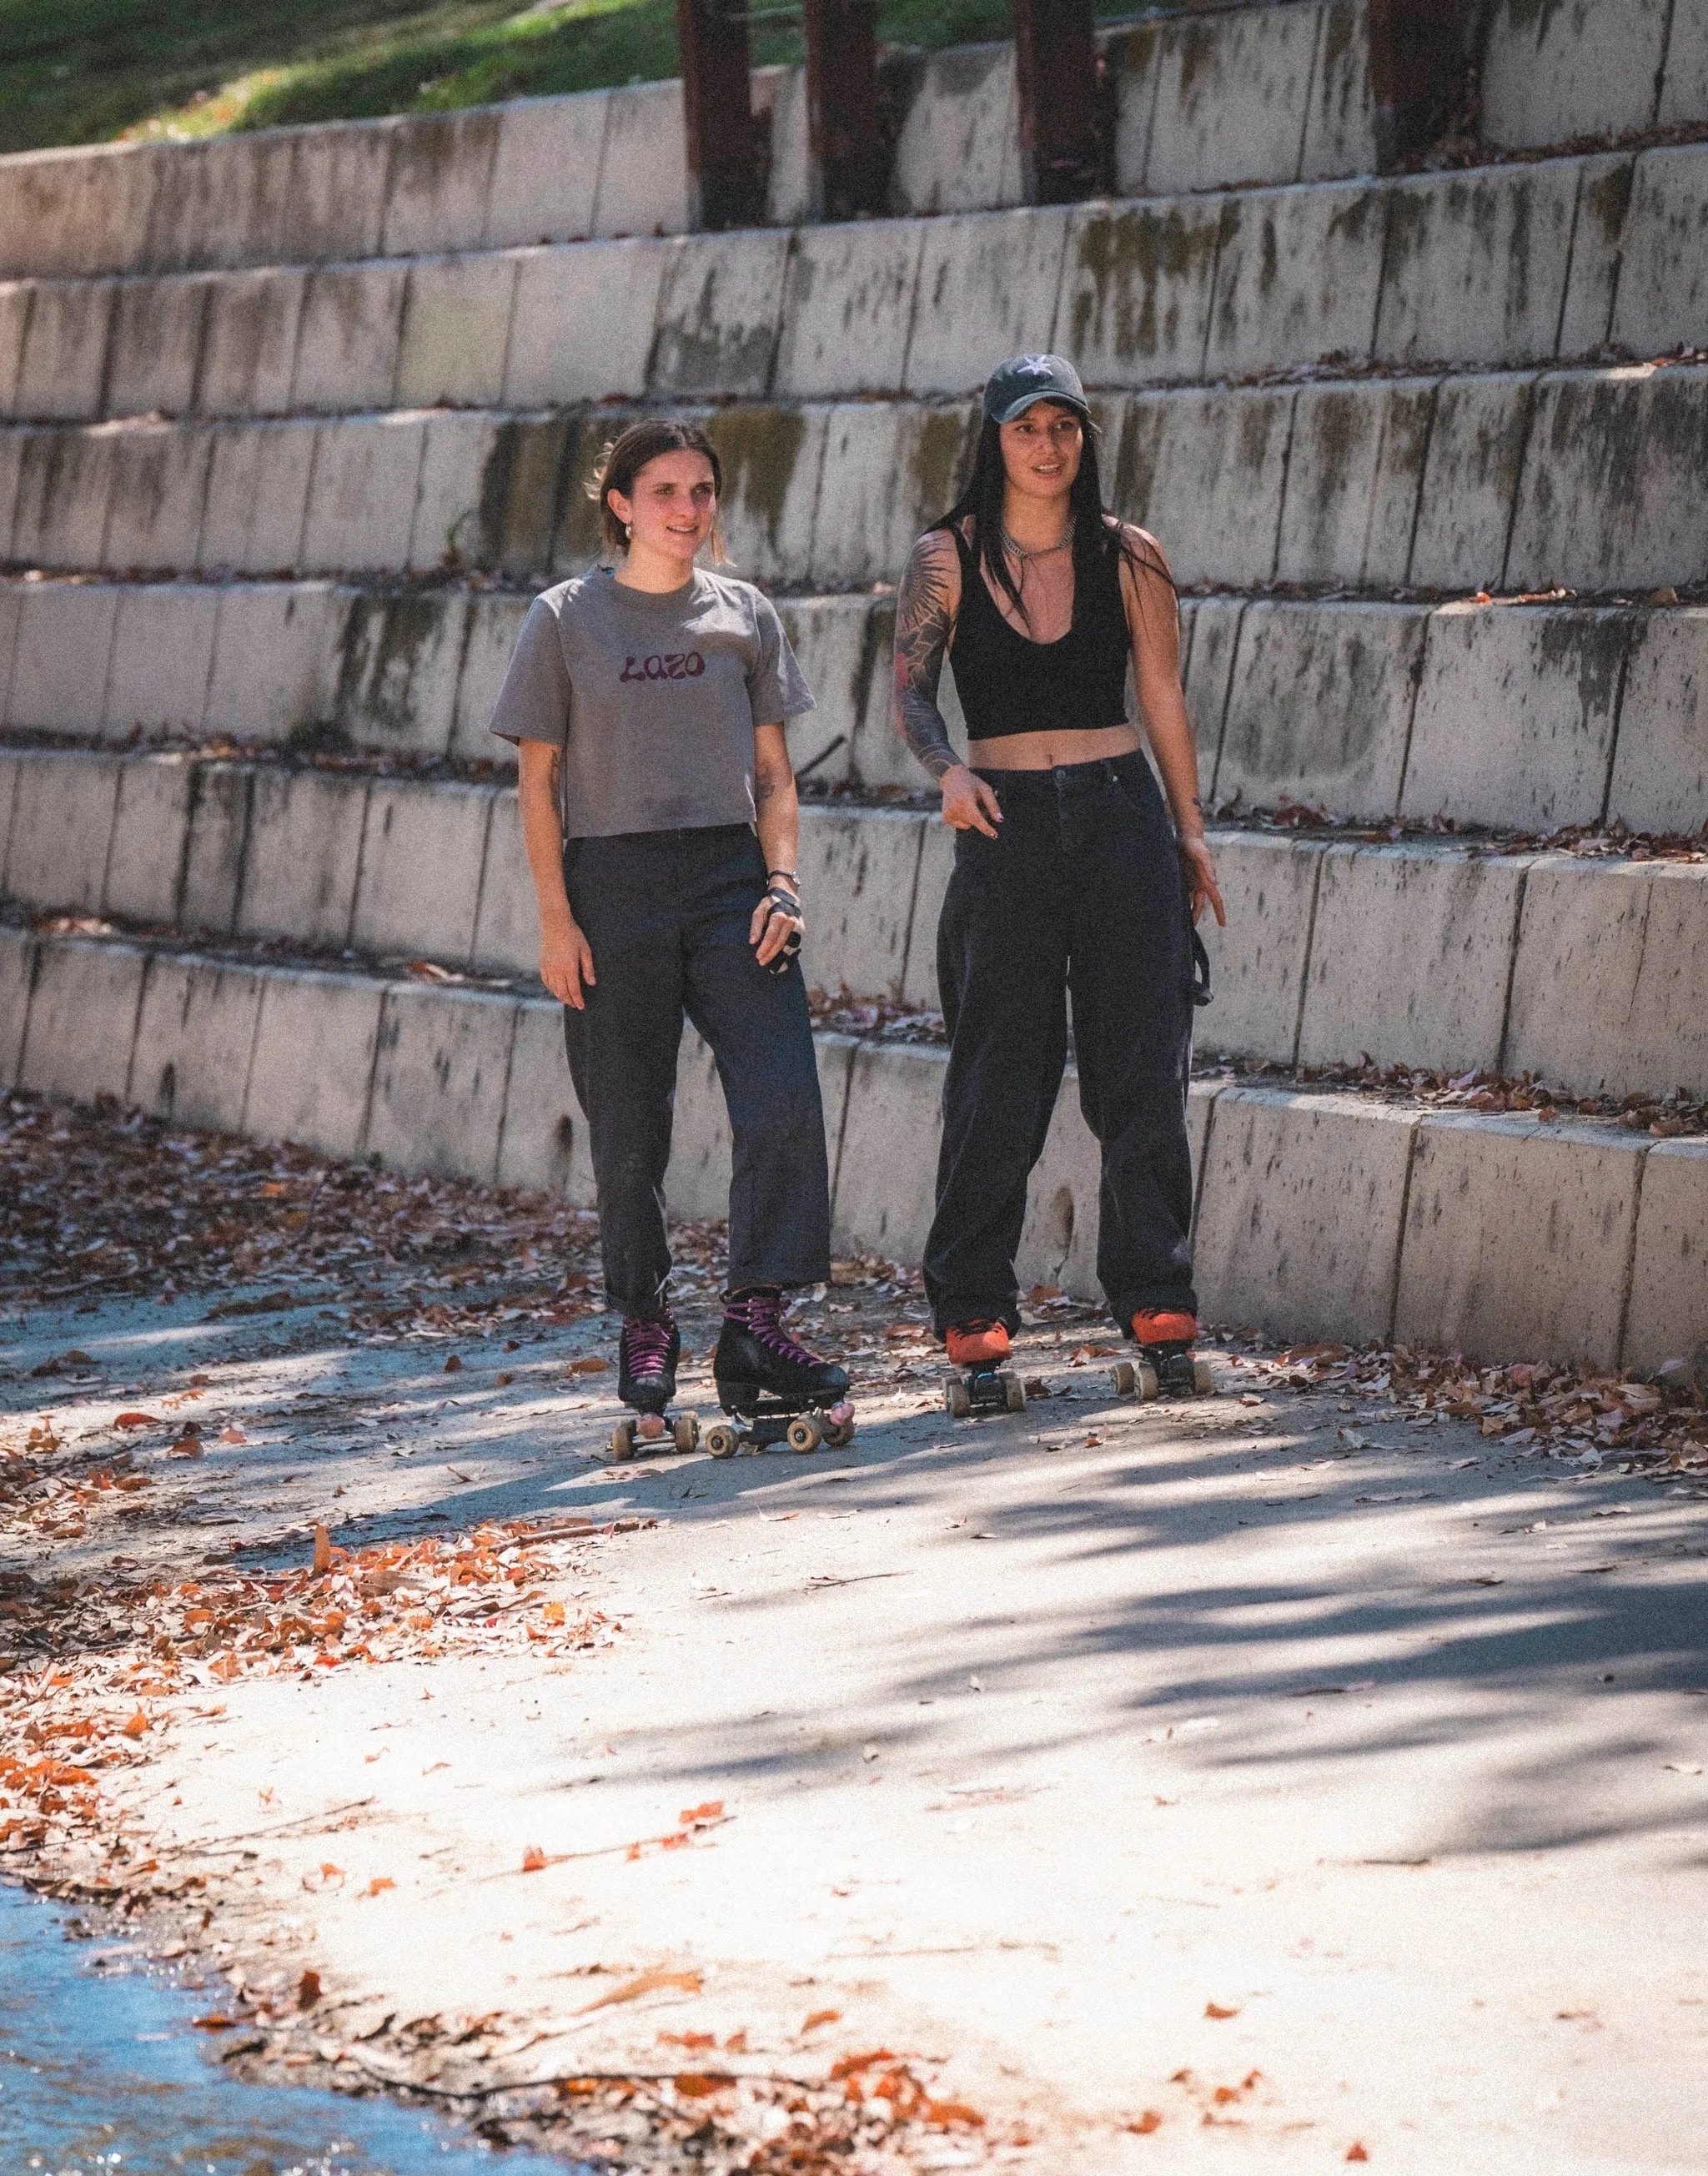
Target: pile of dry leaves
(1667, 1117)
(103, 1202)
(81, 1655)
(1659, 1430)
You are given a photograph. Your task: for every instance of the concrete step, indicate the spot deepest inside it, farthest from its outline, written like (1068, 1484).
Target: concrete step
(1595, 479)
(1257, 94)
(1499, 265)
(1318, 1214)
(1582, 971)
(1597, 68)
(1512, 718)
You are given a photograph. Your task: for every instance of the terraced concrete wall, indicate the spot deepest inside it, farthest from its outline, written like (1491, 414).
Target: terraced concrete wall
(1594, 480)
(1271, 94)
(1583, 973)
(1501, 267)
(1526, 718)
(1553, 70)
(1496, 1235)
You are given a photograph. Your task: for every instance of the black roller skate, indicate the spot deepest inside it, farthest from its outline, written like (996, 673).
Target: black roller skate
(647, 1354)
(775, 1389)
(1166, 1366)
(977, 1384)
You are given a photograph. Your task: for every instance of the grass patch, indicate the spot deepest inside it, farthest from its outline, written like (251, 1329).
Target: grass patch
(89, 71)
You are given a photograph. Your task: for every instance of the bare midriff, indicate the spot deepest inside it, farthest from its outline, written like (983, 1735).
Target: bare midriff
(1045, 751)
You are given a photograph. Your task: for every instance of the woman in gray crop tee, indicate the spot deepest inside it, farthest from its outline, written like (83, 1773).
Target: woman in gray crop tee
(658, 807)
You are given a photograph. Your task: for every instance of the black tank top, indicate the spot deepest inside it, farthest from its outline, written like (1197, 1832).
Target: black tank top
(1007, 684)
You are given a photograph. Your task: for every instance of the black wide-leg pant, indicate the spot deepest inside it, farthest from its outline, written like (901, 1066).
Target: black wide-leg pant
(666, 914)
(1080, 894)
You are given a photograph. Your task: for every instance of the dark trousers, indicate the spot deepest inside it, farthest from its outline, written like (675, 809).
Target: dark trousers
(666, 914)
(1079, 892)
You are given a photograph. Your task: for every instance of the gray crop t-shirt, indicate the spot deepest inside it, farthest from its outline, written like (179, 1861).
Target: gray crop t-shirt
(653, 699)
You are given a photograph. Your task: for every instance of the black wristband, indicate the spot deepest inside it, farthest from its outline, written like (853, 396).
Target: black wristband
(792, 874)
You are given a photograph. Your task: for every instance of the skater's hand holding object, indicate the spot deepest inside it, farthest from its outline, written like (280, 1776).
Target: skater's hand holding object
(969, 803)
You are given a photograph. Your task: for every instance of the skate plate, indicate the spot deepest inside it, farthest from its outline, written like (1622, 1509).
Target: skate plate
(634, 1436)
(969, 1390)
(802, 1423)
(1163, 1371)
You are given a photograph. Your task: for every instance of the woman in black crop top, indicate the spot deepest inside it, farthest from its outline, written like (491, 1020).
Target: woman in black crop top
(1069, 879)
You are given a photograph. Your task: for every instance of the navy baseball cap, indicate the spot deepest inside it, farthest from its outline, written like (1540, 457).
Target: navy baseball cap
(1014, 386)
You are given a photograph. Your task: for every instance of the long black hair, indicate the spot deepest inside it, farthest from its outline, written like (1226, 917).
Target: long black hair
(1098, 538)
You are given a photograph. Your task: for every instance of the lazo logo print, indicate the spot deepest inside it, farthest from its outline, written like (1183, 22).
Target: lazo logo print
(678, 667)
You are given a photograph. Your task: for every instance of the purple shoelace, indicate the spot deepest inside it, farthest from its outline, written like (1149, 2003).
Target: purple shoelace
(646, 1344)
(761, 1314)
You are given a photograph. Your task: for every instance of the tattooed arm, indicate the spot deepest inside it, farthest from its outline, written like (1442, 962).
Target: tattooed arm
(566, 958)
(925, 615)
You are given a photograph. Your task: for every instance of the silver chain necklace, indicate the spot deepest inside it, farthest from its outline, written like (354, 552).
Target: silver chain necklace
(1038, 551)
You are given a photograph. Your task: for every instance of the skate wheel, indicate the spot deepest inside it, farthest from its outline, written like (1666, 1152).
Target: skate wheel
(1148, 1385)
(1203, 1381)
(841, 1433)
(685, 1428)
(721, 1440)
(1125, 1378)
(804, 1433)
(957, 1399)
(1013, 1391)
(623, 1441)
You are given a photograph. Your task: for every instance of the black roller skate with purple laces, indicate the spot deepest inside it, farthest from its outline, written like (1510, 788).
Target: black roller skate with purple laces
(775, 1388)
(647, 1354)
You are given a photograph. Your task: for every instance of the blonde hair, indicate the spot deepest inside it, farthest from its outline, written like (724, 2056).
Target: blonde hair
(625, 456)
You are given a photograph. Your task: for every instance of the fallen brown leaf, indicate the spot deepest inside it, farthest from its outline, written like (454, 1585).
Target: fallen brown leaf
(648, 1982)
(380, 1881)
(308, 1990)
(822, 2017)
(533, 1859)
(135, 1420)
(1355, 2152)
(1145, 2124)
(323, 1550)
(694, 2085)
(591, 1363)
(1215, 2009)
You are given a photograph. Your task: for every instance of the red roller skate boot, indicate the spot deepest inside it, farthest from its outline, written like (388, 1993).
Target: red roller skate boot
(1166, 1366)
(977, 1384)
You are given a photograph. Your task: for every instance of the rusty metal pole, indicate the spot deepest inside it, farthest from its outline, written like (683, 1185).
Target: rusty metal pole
(723, 168)
(1418, 74)
(1056, 66)
(844, 158)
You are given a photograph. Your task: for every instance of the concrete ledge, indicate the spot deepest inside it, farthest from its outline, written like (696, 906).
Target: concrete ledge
(1299, 1218)
(440, 1078)
(17, 949)
(1607, 979)
(312, 1071)
(1518, 1238)
(1668, 1315)
(544, 1142)
(422, 850)
(1411, 957)
(1332, 1215)
(300, 856)
(194, 1035)
(1594, 478)
(150, 833)
(60, 829)
(1508, 265)
(82, 1020)
(1595, 68)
